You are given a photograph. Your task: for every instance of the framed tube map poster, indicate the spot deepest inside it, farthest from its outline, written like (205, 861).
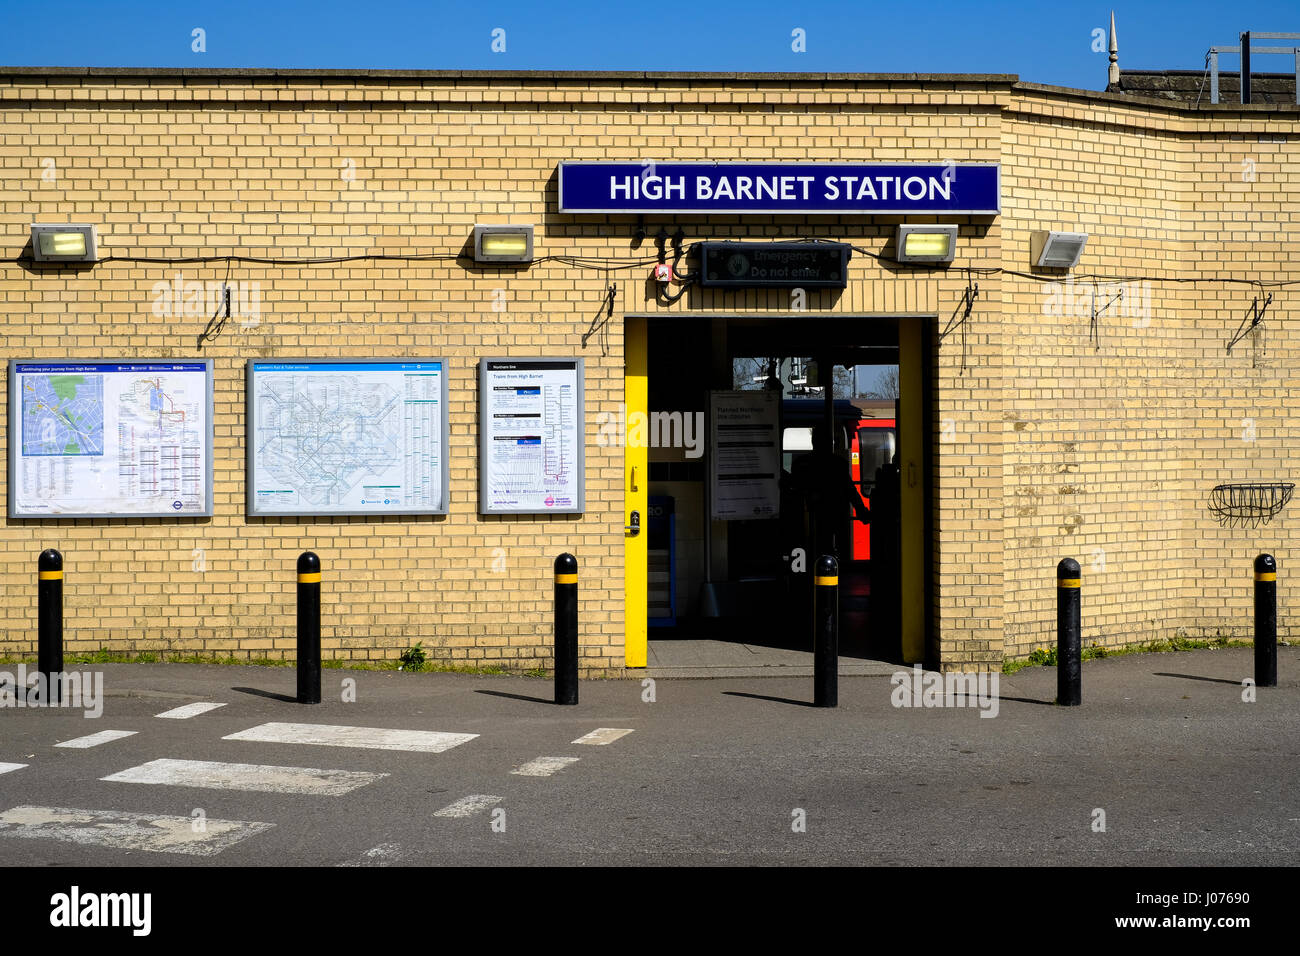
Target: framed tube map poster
(93, 438)
(531, 436)
(347, 436)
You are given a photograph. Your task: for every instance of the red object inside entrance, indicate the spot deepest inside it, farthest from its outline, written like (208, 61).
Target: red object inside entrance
(874, 442)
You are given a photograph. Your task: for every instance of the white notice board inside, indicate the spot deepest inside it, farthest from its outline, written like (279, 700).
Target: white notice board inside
(531, 436)
(745, 454)
(347, 436)
(110, 438)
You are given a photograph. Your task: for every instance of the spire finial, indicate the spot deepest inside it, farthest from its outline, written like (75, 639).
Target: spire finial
(1112, 77)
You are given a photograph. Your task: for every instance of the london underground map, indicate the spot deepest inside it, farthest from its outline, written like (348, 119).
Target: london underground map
(106, 438)
(347, 437)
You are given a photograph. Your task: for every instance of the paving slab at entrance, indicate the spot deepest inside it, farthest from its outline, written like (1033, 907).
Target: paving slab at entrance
(732, 659)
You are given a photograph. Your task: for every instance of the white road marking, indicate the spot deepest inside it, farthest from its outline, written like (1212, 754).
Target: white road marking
(544, 766)
(9, 767)
(246, 776)
(602, 735)
(372, 738)
(187, 711)
(94, 740)
(468, 806)
(381, 855)
(152, 832)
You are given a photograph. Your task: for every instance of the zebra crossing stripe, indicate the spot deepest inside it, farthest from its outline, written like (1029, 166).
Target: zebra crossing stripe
(186, 711)
(602, 735)
(382, 855)
(10, 767)
(468, 806)
(370, 738)
(94, 740)
(210, 775)
(544, 766)
(150, 832)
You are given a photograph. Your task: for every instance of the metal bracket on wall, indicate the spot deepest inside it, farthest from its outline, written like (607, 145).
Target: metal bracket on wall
(603, 315)
(1255, 315)
(1094, 329)
(967, 303)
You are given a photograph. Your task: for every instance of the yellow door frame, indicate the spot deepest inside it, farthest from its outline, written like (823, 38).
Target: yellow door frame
(636, 497)
(912, 480)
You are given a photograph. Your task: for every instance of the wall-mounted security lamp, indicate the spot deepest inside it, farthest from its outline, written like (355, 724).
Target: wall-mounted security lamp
(1056, 250)
(63, 243)
(503, 243)
(926, 243)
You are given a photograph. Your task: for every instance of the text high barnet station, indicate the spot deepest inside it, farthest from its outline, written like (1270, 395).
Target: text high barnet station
(441, 327)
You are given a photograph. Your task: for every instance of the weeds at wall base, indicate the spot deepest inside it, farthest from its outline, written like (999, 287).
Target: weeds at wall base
(1046, 656)
(151, 657)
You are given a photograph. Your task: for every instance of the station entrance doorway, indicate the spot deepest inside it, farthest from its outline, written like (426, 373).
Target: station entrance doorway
(765, 442)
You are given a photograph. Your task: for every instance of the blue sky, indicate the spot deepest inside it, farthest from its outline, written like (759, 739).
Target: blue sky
(1042, 41)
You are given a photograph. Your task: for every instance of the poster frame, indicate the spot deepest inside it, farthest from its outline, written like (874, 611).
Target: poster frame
(250, 407)
(15, 438)
(484, 407)
(712, 475)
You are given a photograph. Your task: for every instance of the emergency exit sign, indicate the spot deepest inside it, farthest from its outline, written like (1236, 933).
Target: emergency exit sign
(774, 265)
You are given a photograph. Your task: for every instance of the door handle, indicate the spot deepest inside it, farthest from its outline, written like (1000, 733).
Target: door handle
(633, 480)
(634, 528)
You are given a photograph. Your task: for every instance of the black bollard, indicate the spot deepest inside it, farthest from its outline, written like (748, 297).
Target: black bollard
(1069, 643)
(49, 643)
(826, 637)
(308, 628)
(1265, 621)
(566, 629)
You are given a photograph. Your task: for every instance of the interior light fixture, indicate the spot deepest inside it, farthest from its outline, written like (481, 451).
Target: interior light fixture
(1056, 250)
(926, 243)
(70, 243)
(503, 243)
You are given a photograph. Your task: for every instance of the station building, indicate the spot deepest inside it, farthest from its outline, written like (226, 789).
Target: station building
(1135, 409)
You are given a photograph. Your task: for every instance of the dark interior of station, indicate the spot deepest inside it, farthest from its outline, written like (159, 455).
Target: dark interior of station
(745, 580)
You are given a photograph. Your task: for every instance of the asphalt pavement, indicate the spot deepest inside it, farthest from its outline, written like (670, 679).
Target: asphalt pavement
(1163, 764)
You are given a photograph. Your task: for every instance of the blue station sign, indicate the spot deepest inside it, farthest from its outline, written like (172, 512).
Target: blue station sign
(850, 189)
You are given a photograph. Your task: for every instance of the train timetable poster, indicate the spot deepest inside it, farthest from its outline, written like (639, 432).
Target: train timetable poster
(531, 436)
(110, 438)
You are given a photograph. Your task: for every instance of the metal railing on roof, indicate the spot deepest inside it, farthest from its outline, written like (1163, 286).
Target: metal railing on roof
(1245, 50)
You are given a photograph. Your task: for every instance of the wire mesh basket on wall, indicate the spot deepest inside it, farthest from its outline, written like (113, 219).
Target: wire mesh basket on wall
(1249, 504)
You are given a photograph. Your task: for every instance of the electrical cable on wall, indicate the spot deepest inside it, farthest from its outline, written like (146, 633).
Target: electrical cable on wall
(610, 263)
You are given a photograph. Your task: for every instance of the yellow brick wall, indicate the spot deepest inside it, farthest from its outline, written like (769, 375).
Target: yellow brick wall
(1116, 436)
(1044, 445)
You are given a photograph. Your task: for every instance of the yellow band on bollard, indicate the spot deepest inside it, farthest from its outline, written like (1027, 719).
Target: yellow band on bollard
(51, 575)
(1067, 582)
(312, 578)
(566, 579)
(1265, 575)
(827, 582)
